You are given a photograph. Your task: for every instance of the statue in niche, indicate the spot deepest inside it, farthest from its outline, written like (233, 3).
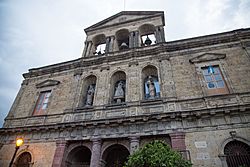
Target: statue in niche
(151, 87)
(119, 92)
(90, 95)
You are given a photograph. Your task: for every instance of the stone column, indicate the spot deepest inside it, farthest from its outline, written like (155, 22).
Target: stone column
(162, 34)
(223, 159)
(131, 39)
(111, 43)
(107, 44)
(134, 144)
(59, 153)
(159, 34)
(136, 39)
(89, 48)
(178, 141)
(96, 153)
(85, 49)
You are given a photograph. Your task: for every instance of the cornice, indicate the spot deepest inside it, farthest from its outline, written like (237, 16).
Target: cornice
(185, 109)
(191, 45)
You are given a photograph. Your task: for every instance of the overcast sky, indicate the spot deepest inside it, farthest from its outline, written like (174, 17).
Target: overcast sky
(36, 33)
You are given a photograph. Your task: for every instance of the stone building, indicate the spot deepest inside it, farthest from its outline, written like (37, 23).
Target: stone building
(130, 87)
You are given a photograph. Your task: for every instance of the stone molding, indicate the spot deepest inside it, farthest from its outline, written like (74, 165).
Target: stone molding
(47, 83)
(207, 57)
(183, 109)
(186, 46)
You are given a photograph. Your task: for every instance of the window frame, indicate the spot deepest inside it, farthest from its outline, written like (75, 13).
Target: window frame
(218, 91)
(42, 96)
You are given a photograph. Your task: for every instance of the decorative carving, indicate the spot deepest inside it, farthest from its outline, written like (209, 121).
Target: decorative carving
(47, 83)
(207, 57)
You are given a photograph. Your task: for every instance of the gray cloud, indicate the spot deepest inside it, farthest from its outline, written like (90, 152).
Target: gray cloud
(38, 33)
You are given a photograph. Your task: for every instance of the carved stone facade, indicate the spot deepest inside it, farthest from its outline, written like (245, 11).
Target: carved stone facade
(106, 105)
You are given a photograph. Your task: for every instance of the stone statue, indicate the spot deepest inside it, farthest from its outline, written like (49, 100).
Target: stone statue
(151, 87)
(119, 92)
(90, 95)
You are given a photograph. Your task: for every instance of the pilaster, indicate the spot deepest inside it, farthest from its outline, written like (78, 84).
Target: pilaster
(61, 145)
(96, 153)
(134, 144)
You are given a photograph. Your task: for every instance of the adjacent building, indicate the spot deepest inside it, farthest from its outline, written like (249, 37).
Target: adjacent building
(130, 87)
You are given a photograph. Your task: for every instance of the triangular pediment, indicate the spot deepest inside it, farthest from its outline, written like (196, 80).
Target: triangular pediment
(47, 83)
(207, 57)
(125, 16)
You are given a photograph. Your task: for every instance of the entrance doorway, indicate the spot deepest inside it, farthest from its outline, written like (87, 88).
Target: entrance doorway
(24, 160)
(237, 154)
(115, 156)
(79, 157)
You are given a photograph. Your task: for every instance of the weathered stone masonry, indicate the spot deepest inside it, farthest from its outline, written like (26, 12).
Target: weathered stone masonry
(183, 114)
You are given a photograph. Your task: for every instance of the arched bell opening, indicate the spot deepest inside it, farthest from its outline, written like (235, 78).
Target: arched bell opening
(118, 87)
(115, 156)
(79, 157)
(237, 153)
(99, 44)
(23, 160)
(122, 38)
(147, 34)
(151, 86)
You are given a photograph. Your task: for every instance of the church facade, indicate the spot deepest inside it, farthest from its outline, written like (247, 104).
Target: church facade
(131, 87)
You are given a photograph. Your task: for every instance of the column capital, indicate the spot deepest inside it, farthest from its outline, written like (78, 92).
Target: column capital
(96, 140)
(61, 143)
(177, 135)
(134, 138)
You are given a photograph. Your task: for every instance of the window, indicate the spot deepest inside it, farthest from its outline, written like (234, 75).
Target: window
(214, 80)
(42, 103)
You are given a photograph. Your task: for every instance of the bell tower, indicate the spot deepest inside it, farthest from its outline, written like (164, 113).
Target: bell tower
(123, 31)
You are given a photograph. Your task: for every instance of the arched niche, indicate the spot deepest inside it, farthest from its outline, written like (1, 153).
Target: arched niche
(79, 156)
(118, 87)
(147, 34)
(237, 153)
(122, 39)
(88, 91)
(99, 44)
(150, 83)
(115, 155)
(24, 160)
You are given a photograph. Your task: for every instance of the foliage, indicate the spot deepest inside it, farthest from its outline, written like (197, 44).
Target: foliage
(156, 154)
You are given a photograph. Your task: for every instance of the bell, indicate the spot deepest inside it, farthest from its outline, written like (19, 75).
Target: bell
(99, 53)
(123, 46)
(148, 41)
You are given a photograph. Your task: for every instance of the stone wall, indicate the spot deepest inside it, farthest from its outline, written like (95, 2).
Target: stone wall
(205, 147)
(42, 153)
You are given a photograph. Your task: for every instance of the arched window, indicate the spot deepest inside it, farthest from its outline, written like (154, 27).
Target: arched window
(24, 160)
(88, 91)
(118, 83)
(150, 82)
(99, 42)
(147, 34)
(237, 154)
(122, 37)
